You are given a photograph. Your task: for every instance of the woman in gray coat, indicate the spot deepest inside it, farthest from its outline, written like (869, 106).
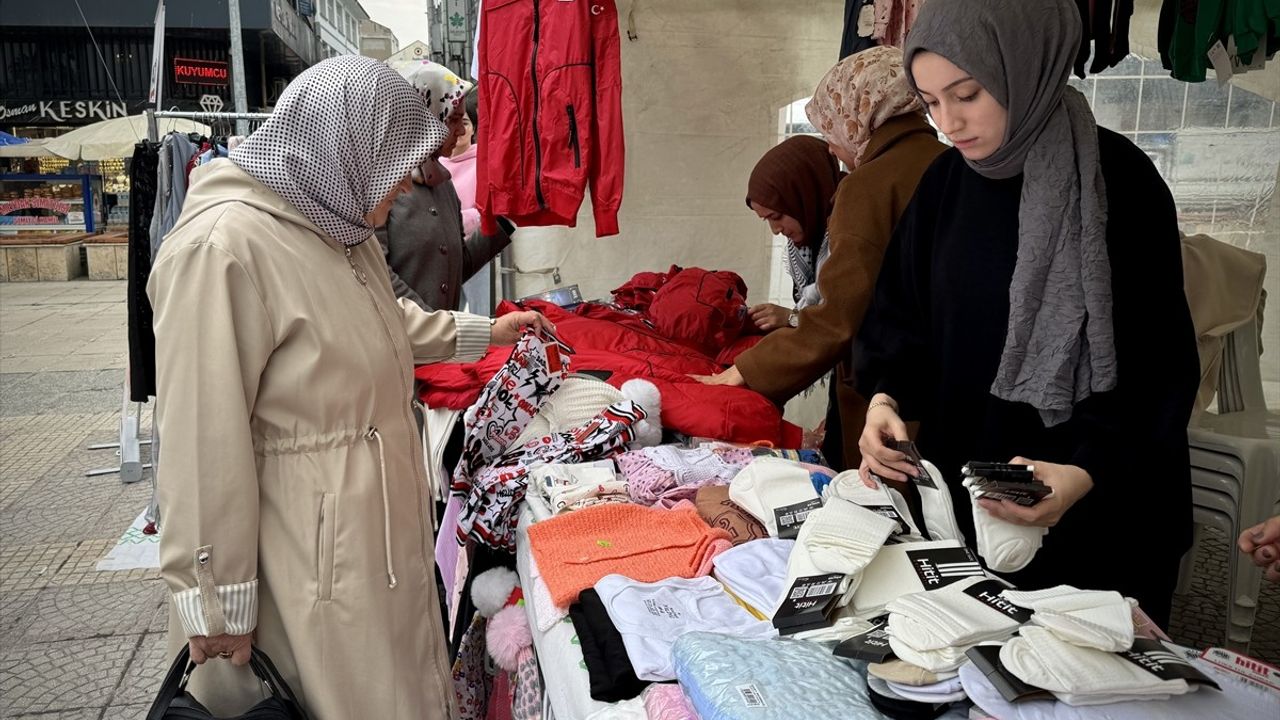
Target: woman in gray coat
(426, 248)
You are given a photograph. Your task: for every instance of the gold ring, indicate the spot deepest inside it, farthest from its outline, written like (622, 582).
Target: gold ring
(224, 655)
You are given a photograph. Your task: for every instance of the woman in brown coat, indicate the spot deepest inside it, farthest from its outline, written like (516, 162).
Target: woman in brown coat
(874, 123)
(292, 487)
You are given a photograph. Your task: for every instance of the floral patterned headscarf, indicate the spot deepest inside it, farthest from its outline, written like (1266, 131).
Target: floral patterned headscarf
(860, 94)
(438, 85)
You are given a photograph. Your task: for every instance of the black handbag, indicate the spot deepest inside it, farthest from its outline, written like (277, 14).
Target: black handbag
(173, 702)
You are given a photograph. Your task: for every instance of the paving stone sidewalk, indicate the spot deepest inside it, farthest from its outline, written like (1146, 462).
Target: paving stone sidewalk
(78, 644)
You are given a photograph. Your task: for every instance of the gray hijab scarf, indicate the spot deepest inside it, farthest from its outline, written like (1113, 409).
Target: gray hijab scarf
(344, 133)
(1059, 347)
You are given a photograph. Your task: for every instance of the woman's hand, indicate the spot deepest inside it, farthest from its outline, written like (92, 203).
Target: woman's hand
(507, 329)
(1068, 482)
(235, 648)
(884, 424)
(770, 317)
(730, 377)
(1262, 542)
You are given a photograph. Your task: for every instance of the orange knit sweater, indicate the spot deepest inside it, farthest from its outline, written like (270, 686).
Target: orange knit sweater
(574, 551)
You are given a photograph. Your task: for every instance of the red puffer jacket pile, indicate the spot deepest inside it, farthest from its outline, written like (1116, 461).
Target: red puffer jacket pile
(626, 346)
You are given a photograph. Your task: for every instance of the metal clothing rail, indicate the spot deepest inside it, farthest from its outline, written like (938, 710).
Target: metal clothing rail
(153, 130)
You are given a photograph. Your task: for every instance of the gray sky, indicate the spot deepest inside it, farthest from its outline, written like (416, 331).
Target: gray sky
(406, 18)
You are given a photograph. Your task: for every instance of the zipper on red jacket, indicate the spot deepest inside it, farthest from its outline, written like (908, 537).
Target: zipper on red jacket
(573, 136)
(537, 144)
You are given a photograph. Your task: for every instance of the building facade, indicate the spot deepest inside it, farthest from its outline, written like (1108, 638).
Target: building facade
(452, 30)
(377, 41)
(52, 77)
(338, 26)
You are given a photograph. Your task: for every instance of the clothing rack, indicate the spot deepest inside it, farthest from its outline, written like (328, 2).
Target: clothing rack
(233, 123)
(129, 446)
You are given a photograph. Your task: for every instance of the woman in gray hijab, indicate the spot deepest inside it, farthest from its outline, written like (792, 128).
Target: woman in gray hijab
(1031, 306)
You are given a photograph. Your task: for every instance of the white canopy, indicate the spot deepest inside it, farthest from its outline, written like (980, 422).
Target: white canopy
(35, 148)
(114, 138)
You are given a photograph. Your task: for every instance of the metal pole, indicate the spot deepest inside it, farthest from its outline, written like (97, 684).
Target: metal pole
(237, 67)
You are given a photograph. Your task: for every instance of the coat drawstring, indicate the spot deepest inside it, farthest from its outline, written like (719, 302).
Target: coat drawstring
(373, 434)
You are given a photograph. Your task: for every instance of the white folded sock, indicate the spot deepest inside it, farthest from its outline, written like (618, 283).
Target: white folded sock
(801, 564)
(770, 483)
(1081, 676)
(840, 537)
(882, 500)
(1006, 547)
(946, 691)
(938, 661)
(948, 618)
(892, 574)
(1088, 618)
(843, 537)
(935, 505)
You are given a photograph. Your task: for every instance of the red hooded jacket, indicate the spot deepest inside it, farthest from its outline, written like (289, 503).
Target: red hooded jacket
(550, 113)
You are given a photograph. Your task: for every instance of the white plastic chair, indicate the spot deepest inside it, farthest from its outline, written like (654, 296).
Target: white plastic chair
(1235, 473)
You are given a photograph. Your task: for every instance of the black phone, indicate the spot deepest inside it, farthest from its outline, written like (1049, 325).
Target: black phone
(1003, 472)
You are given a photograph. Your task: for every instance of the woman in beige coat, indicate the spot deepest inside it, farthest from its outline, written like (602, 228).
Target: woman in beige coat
(292, 489)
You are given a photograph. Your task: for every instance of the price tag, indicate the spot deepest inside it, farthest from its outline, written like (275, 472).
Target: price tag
(791, 517)
(1221, 61)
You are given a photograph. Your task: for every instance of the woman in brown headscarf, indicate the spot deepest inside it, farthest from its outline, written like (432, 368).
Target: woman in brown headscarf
(793, 188)
(872, 121)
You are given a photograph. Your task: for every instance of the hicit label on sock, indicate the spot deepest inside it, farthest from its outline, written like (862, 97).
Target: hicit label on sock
(808, 603)
(939, 567)
(988, 593)
(1156, 658)
(872, 645)
(791, 517)
(1255, 671)
(890, 512)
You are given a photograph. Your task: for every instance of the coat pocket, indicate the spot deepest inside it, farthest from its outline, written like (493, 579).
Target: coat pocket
(327, 530)
(574, 141)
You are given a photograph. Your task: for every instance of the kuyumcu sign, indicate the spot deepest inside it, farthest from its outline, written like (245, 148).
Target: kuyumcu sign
(200, 72)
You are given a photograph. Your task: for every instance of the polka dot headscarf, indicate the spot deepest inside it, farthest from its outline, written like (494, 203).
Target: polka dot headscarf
(343, 135)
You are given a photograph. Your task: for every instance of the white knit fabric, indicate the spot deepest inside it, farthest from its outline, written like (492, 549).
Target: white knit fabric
(891, 576)
(843, 537)
(1088, 618)
(946, 691)
(947, 618)
(769, 483)
(1081, 676)
(938, 661)
(1006, 547)
(848, 485)
(935, 505)
(580, 398)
